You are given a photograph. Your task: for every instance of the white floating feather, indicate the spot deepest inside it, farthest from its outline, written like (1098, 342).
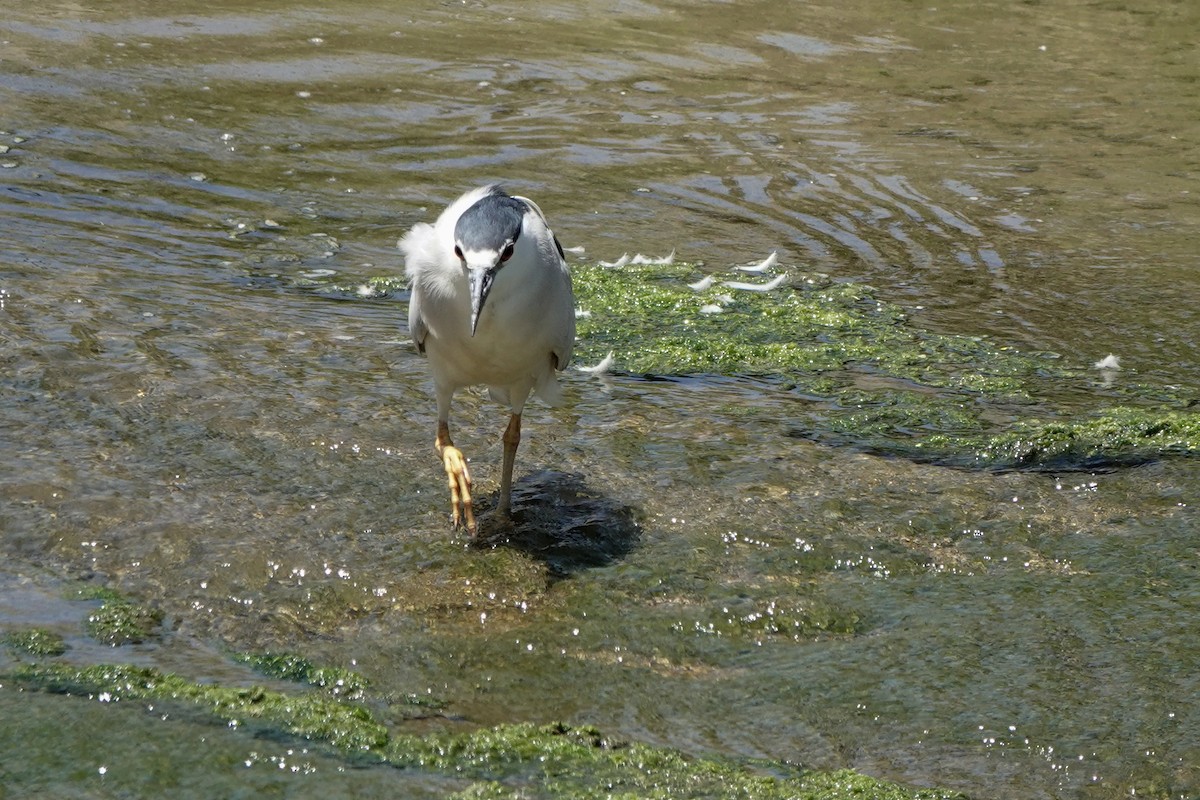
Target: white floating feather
(582, 313)
(1108, 362)
(576, 250)
(711, 308)
(602, 368)
(702, 284)
(658, 262)
(762, 266)
(757, 287)
(620, 262)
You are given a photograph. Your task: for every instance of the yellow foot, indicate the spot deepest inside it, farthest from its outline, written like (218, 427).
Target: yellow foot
(459, 478)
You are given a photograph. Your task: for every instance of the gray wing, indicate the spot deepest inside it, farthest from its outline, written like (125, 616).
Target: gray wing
(416, 323)
(566, 299)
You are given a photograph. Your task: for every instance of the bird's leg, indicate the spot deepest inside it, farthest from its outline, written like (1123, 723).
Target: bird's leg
(458, 477)
(512, 438)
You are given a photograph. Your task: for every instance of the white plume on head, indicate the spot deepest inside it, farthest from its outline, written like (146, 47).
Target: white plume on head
(421, 244)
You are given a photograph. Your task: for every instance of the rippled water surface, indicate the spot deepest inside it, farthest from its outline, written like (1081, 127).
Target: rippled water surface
(182, 419)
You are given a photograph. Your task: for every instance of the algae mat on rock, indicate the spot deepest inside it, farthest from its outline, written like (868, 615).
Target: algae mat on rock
(507, 761)
(866, 377)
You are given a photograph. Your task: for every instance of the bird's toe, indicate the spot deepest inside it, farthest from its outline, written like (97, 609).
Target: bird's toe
(458, 477)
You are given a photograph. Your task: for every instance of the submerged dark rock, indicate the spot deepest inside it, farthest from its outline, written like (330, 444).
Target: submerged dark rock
(564, 523)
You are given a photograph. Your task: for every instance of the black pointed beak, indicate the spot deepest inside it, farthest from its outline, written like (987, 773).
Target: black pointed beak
(481, 284)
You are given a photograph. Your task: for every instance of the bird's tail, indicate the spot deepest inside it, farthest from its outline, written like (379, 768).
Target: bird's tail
(549, 390)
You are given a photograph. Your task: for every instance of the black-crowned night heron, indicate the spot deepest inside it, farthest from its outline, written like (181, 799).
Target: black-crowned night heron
(491, 304)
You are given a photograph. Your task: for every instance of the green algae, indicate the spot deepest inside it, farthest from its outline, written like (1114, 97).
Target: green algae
(35, 642)
(651, 320)
(1119, 437)
(118, 621)
(308, 715)
(863, 416)
(559, 761)
(369, 289)
(335, 681)
(291, 667)
(519, 760)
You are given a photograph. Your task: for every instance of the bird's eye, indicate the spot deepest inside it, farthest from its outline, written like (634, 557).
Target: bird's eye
(458, 252)
(507, 254)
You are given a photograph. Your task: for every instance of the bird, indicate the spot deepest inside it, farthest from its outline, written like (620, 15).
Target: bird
(491, 303)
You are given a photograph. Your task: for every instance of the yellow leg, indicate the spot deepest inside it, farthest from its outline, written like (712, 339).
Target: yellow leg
(458, 477)
(512, 438)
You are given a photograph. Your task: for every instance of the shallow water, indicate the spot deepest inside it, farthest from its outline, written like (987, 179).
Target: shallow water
(182, 420)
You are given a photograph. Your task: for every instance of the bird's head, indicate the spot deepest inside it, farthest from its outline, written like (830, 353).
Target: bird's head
(485, 238)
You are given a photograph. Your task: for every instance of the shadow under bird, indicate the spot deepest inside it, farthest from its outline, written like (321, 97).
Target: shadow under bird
(492, 305)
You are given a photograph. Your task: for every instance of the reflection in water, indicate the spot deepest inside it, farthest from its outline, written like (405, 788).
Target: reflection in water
(181, 421)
